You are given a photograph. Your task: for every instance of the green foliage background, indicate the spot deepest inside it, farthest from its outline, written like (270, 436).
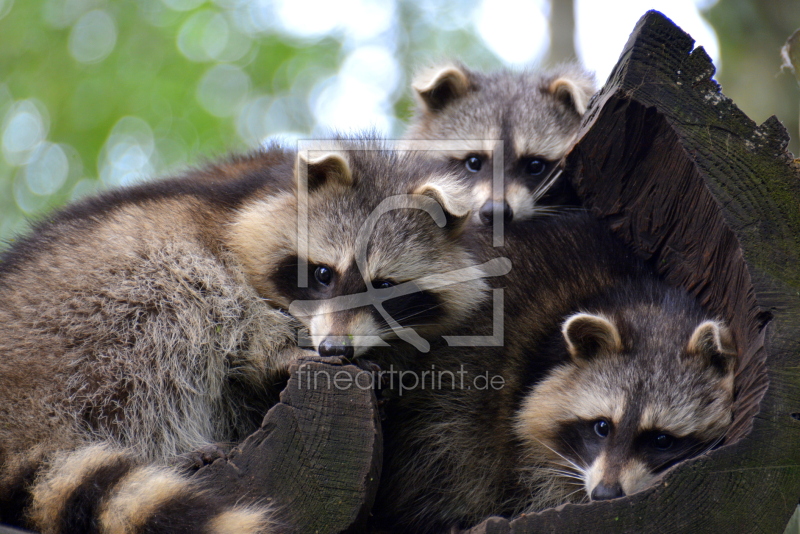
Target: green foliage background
(137, 111)
(146, 76)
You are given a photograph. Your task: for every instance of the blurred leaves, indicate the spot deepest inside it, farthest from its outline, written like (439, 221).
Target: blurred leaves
(100, 93)
(185, 74)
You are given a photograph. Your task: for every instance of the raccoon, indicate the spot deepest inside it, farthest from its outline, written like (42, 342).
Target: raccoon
(151, 322)
(649, 382)
(535, 114)
(518, 428)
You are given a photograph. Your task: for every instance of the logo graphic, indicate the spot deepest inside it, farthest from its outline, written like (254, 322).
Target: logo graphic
(376, 297)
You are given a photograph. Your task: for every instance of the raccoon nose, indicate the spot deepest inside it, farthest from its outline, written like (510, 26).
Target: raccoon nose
(332, 347)
(487, 212)
(603, 492)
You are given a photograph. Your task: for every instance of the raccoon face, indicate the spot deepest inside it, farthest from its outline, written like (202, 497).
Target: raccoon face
(614, 419)
(535, 115)
(376, 257)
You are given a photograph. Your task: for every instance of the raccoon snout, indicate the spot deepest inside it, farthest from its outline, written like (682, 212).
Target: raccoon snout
(603, 492)
(331, 346)
(487, 212)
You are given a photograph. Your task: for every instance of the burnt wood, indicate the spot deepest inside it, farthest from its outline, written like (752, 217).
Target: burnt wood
(317, 455)
(691, 183)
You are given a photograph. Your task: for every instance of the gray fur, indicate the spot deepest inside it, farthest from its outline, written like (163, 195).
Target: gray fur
(535, 113)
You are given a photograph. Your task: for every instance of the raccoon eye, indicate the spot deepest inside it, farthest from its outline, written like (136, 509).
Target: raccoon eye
(473, 163)
(323, 275)
(602, 428)
(535, 167)
(663, 442)
(383, 284)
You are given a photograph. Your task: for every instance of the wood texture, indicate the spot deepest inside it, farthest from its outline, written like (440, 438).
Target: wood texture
(688, 180)
(317, 455)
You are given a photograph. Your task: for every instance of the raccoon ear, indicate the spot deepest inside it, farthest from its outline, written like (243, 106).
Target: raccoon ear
(438, 86)
(453, 199)
(588, 334)
(713, 343)
(575, 94)
(330, 167)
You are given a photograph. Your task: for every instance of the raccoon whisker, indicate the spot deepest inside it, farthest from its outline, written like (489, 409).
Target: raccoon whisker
(566, 474)
(581, 469)
(570, 462)
(546, 211)
(546, 184)
(714, 444)
(569, 467)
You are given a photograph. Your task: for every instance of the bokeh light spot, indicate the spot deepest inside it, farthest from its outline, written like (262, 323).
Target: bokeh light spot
(360, 95)
(27, 200)
(223, 89)
(126, 156)
(5, 7)
(47, 170)
(203, 36)
(517, 31)
(93, 37)
(23, 130)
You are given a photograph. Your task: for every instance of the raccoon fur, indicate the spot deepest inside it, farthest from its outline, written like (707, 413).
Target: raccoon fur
(151, 322)
(535, 114)
(649, 382)
(459, 452)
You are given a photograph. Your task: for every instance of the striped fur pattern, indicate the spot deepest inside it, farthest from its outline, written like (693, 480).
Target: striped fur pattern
(535, 113)
(151, 323)
(512, 449)
(102, 489)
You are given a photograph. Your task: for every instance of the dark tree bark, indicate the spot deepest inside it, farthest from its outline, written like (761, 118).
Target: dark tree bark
(680, 173)
(317, 455)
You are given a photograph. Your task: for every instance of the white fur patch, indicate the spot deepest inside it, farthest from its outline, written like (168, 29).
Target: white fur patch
(595, 473)
(243, 520)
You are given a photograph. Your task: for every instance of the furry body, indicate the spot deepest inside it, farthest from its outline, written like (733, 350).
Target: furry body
(535, 114)
(487, 451)
(151, 322)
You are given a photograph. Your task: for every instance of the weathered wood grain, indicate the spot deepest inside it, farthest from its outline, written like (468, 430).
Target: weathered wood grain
(317, 455)
(692, 183)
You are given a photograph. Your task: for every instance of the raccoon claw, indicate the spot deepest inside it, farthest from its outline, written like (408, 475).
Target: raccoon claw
(206, 455)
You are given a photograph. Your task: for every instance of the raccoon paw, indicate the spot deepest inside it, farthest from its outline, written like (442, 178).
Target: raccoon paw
(205, 455)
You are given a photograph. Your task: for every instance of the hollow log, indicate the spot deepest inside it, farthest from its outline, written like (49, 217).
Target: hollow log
(691, 183)
(317, 455)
